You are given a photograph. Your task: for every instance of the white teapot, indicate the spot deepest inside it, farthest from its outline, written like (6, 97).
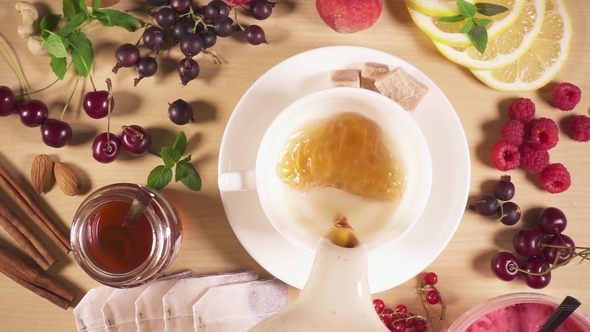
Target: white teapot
(336, 296)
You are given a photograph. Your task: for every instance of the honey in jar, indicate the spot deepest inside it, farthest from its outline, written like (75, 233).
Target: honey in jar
(346, 151)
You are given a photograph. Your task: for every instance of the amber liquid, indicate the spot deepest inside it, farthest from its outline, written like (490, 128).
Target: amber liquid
(346, 151)
(114, 247)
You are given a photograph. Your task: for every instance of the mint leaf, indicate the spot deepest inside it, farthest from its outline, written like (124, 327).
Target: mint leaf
(479, 37)
(159, 177)
(190, 177)
(48, 23)
(467, 27)
(70, 8)
(170, 156)
(466, 9)
(53, 45)
(112, 17)
(59, 66)
(74, 24)
(451, 19)
(490, 9)
(82, 53)
(180, 142)
(95, 4)
(482, 22)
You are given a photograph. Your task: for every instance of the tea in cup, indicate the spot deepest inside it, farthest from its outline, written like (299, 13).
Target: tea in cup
(340, 152)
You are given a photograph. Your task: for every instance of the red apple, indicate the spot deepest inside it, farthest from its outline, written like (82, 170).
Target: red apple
(348, 16)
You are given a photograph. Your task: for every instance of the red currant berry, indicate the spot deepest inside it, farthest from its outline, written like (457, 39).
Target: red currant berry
(420, 325)
(431, 278)
(410, 322)
(398, 327)
(387, 316)
(401, 309)
(379, 305)
(433, 297)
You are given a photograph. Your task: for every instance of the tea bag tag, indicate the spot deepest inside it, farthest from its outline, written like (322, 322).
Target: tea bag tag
(88, 312)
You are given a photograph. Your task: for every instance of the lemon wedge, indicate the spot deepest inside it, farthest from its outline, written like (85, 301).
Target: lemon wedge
(508, 47)
(544, 59)
(435, 7)
(448, 33)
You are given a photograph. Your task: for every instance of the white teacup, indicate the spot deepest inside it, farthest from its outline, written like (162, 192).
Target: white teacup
(303, 217)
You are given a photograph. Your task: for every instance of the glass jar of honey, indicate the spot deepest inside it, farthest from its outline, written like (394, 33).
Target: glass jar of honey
(120, 255)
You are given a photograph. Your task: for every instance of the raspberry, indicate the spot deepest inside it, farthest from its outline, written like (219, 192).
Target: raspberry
(566, 96)
(532, 159)
(505, 156)
(522, 109)
(555, 178)
(544, 133)
(513, 132)
(581, 128)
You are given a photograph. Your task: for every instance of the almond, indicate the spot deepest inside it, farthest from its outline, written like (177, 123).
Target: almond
(41, 173)
(66, 179)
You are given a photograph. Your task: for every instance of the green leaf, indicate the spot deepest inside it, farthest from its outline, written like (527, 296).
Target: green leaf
(70, 8)
(95, 4)
(159, 177)
(482, 22)
(180, 142)
(479, 37)
(48, 23)
(190, 177)
(466, 9)
(451, 19)
(82, 53)
(490, 9)
(170, 156)
(59, 66)
(72, 25)
(53, 45)
(111, 17)
(467, 27)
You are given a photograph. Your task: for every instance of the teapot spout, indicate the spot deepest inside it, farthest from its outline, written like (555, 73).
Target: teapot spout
(336, 296)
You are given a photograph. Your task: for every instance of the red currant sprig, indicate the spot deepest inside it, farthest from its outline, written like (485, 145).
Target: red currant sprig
(400, 319)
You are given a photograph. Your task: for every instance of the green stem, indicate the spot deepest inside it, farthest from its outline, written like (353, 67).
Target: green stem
(17, 70)
(69, 99)
(49, 86)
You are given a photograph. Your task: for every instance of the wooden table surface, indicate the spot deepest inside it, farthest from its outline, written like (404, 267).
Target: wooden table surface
(210, 245)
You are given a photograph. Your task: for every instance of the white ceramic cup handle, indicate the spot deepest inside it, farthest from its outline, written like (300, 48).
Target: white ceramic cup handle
(237, 181)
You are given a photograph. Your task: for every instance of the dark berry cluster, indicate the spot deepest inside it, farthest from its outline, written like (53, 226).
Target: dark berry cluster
(541, 249)
(34, 113)
(499, 204)
(195, 29)
(399, 319)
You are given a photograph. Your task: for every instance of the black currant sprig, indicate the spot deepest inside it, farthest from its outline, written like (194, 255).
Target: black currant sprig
(499, 203)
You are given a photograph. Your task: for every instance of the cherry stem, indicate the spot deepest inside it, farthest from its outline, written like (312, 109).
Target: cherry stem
(17, 70)
(92, 81)
(69, 99)
(109, 98)
(424, 287)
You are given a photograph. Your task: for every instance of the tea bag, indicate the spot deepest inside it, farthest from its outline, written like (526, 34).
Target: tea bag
(178, 302)
(149, 309)
(119, 309)
(88, 314)
(239, 306)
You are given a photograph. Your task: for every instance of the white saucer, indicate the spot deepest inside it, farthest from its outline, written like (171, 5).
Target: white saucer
(308, 72)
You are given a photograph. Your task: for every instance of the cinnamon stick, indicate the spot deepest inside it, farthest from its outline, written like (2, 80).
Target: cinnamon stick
(25, 238)
(15, 190)
(34, 279)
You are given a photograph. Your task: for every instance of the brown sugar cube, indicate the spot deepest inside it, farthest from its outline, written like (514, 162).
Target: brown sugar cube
(395, 85)
(420, 90)
(371, 71)
(346, 77)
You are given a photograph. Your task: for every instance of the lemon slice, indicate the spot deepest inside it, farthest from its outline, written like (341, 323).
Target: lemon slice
(435, 7)
(448, 33)
(544, 59)
(508, 47)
